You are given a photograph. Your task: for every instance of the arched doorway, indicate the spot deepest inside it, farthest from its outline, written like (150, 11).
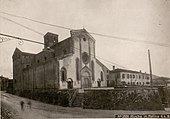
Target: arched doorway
(86, 79)
(98, 83)
(69, 83)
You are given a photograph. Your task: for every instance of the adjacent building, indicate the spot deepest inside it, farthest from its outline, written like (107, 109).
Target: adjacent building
(71, 63)
(119, 77)
(6, 83)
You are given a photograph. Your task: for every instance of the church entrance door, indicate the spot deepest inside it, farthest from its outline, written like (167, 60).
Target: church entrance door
(86, 80)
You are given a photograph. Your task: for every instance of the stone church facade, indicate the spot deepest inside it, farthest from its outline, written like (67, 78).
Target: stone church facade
(68, 64)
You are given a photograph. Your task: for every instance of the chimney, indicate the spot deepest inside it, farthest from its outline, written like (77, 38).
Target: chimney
(113, 67)
(50, 39)
(140, 71)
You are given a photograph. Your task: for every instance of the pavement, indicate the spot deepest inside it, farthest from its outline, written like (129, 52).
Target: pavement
(11, 108)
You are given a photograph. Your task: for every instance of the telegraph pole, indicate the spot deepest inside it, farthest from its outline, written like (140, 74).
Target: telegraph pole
(150, 68)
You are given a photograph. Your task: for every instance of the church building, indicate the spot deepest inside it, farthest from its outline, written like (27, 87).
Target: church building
(68, 64)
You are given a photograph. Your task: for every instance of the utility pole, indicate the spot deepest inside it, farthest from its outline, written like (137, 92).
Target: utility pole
(150, 68)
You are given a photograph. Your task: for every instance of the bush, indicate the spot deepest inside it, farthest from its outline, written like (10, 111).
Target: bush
(50, 97)
(133, 99)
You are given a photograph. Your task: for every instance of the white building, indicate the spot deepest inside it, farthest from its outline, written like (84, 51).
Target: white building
(81, 69)
(128, 77)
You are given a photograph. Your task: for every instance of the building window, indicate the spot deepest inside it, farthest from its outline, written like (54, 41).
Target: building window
(38, 61)
(139, 76)
(92, 67)
(85, 58)
(123, 76)
(101, 74)
(118, 75)
(63, 74)
(133, 76)
(77, 69)
(148, 77)
(128, 76)
(147, 83)
(137, 83)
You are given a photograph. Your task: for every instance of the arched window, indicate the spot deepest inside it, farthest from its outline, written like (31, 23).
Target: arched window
(101, 74)
(63, 74)
(92, 67)
(77, 69)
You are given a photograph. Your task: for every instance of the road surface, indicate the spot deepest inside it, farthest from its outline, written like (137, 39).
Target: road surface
(11, 109)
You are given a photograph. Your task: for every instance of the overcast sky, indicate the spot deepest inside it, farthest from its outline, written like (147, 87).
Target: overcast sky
(145, 20)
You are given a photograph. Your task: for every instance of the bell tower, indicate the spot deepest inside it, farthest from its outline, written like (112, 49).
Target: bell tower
(50, 39)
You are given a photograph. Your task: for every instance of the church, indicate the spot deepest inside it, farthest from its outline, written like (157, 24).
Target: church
(68, 64)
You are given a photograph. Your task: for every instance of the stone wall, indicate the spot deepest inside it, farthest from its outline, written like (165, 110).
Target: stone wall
(42, 76)
(143, 98)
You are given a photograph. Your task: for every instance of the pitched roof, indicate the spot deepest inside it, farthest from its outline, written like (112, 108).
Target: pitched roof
(101, 64)
(82, 31)
(124, 70)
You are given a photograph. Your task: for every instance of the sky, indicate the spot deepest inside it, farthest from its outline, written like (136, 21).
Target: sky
(140, 20)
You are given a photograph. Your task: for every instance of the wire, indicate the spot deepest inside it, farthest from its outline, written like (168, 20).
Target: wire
(133, 40)
(28, 40)
(19, 38)
(36, 21)
(43, 43)
(22, 26)
(98, 34)
(110, 62)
